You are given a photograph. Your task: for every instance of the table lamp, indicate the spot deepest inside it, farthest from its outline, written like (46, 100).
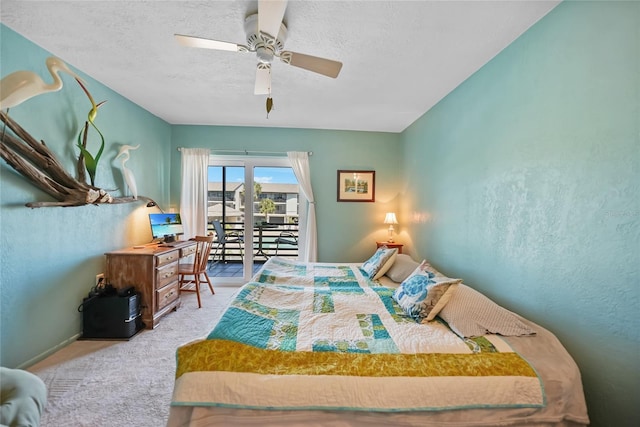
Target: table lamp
(390, 218)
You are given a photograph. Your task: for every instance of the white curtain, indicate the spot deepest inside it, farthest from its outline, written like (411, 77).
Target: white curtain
(300, 165)
(193, 198)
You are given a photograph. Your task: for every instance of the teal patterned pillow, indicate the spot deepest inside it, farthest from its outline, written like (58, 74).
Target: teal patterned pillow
(423, 294)
(380, 262)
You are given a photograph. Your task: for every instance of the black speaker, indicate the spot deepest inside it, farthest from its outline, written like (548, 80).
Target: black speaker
(111, 316)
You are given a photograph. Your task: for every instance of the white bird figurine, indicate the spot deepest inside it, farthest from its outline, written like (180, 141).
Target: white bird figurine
(19, 86)
(126, 172)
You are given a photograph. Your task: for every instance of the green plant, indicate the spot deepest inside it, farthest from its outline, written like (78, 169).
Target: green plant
(90, 162)
(267, 206)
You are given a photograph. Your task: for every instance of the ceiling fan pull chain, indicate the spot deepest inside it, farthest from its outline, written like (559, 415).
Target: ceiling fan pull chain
(269, 105)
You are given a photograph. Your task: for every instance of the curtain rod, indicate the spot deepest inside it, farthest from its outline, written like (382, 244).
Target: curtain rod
(246, 152)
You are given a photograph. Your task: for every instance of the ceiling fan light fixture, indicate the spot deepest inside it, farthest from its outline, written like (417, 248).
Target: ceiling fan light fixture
(264, 54)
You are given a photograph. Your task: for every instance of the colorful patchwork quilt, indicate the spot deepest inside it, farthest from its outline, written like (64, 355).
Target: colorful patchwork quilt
(323, 336)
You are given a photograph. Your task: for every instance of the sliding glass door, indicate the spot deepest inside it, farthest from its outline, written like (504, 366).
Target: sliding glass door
(225, 218)
(254, 210)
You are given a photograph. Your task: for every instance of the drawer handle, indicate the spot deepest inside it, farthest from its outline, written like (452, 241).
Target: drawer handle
(169, 295)
(168, 274)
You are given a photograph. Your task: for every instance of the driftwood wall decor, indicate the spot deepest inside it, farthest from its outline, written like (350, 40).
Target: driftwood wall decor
(34, 161)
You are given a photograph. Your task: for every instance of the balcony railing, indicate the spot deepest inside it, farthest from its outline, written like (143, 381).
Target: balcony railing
(267, 240)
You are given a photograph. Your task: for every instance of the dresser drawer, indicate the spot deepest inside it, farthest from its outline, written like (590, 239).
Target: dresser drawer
(188, 251)
(167, 295)
(168, 257)
(166, 274)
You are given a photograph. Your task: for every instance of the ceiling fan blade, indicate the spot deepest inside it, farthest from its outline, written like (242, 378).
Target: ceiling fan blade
(327, 67)
(199, 42)
(263, 79)
(270, 16)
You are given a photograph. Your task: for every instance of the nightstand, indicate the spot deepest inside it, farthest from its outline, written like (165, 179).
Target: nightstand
(391, 245)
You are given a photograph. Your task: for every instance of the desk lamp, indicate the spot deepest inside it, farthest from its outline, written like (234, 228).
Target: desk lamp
(152, 203)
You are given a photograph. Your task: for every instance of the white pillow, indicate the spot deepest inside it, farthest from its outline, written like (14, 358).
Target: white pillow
(402, 267)
(380, 262)
(423, 294)
(471, 314)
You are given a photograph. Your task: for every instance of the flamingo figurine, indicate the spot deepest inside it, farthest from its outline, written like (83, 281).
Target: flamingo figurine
(19, 86)
(128, 174)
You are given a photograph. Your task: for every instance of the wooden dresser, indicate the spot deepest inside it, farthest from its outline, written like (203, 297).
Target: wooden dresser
(153, 271)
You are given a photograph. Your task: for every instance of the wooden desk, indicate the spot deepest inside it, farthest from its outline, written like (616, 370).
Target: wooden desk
(153, 271)
(391, 245)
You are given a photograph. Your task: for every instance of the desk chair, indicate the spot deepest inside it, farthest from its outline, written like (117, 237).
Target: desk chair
(224, 238)
(286, 238)
(197, 268)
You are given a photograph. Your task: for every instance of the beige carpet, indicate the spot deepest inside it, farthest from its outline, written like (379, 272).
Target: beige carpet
(125, 383)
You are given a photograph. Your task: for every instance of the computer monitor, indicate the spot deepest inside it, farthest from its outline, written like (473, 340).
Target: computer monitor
(166, 226)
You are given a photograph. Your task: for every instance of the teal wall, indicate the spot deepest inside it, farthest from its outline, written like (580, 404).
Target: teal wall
(347, 231)
(49, 256)
(525, 182)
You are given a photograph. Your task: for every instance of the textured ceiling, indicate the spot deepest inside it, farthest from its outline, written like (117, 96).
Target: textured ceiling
(400, 57)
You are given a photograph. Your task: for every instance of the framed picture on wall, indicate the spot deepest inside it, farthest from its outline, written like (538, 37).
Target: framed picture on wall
(356, 186)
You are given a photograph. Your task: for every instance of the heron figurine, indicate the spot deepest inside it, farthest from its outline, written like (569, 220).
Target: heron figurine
(19, 86)
(126, 172)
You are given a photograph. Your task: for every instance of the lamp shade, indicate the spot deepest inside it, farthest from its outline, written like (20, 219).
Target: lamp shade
(390, 218)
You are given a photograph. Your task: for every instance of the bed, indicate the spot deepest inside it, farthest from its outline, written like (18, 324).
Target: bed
(348, 344)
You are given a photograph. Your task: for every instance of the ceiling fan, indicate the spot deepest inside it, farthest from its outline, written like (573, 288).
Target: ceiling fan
(266, 34)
